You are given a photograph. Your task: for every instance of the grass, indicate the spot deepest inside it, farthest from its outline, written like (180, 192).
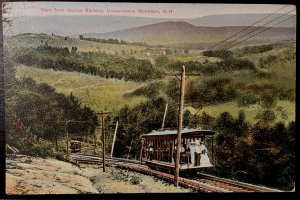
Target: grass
(98, 93)
(283, 71)
(34, 40)
(107, 94)
(192, 57)
(250, 111)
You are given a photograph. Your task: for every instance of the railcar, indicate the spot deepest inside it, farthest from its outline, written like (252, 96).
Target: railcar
(159, 149)
(75, 146)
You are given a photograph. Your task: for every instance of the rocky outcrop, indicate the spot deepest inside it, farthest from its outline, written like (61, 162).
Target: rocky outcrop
(30, 175)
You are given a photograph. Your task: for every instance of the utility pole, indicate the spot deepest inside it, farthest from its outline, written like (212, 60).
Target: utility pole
(141, 153)
(102, 115)
(114, 139)
(180, 116)
(163, 124)
(67, 136)
(129, 149)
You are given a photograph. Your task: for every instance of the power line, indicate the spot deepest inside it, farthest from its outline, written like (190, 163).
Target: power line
(262, 31)
(247, 27)
(255, 30)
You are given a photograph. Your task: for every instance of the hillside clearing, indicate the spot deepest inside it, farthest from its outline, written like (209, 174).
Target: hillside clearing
(288, 109)
(98, 93)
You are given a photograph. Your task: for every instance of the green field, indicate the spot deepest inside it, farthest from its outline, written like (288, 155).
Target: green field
(107, 94)
(250, 111)
(192, 57)
(123, 50)
(34, 40)
(98, 93)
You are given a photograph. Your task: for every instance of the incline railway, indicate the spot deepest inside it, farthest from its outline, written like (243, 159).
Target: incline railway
(199, 182)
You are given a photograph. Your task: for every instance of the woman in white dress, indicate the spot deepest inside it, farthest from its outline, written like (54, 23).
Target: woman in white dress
(204, 157)
(192, 150)
(197, 152)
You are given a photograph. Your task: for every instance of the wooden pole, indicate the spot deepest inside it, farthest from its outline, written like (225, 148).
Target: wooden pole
(114, 139)
(67, 137)
(102, 115)
(95, 143)
(180, 116)
(212, 149)
(129, 149)
(67, 133)
(172, 152)
(103, 143)
(142, 148)
(163, 124)
(56, 139)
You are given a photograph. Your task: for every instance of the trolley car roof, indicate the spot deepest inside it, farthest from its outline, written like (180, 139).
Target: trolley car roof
(184, 133)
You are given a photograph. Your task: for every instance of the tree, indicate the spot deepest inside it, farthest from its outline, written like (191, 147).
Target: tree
(186, 118)
(161, 61)
(81, 37)
(74, 50)
(172, 89)
(142, 119)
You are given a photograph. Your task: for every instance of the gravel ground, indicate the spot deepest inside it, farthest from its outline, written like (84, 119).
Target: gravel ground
(115, 180)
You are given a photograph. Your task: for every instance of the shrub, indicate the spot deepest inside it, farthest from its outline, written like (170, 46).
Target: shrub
(264, 62)
(246, 100)
(218, 53)
(268, 100)
(256, 49)
(279, 108)
(135, 180)
(59, 155)
(149, 91)
(266, 115)
(262, 74)
(161, 61)
(41, 148)
(285, 94)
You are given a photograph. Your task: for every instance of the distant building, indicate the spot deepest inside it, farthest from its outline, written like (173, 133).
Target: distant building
(156, 51)
(162, 51)
(149, 52)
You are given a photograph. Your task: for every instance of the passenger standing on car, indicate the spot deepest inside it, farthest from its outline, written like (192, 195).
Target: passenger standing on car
(150, 151)
(192, 149)
(204, 157)
(197, 152)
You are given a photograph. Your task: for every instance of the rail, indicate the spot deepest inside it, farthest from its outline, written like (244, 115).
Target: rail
(201, 182)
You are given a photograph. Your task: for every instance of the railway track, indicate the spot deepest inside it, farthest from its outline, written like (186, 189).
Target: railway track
(200, 183)
(235, 186)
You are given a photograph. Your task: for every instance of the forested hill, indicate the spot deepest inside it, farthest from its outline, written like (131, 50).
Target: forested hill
(36, 116)
(94, 63)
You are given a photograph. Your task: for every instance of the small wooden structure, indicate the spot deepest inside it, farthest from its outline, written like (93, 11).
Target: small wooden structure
(75, 146)
(159, 149)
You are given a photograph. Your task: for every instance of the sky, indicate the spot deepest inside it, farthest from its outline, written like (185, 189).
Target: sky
(154, 10)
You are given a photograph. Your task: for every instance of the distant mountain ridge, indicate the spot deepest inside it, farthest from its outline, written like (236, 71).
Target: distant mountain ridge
(174, 32)
(240, 20)
(76, 25)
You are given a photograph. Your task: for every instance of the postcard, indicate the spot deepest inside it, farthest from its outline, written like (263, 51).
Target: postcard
(106, 98)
